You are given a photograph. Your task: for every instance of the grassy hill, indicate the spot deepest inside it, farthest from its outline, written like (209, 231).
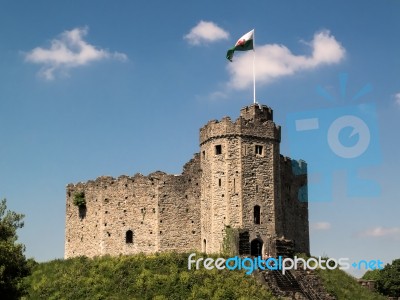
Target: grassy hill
(160, 276)
(343, 286)
(163, 276)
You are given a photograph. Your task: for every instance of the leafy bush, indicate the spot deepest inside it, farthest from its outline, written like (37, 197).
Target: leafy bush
(79, 199)
(340, 284)
(387, 279)
(343, 286)
(159, 276)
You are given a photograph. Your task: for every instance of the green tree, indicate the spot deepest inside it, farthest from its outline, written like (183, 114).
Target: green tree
(13, 264)
(372, 275)
(387, 280)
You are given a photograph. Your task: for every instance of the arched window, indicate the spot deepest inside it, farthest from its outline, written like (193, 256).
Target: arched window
(129, 237)
(256, 214)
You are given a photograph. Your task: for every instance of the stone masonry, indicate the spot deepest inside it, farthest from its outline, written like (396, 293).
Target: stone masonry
(239, 179)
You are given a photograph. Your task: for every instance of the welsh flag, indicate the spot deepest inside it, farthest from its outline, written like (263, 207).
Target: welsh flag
(243, 44)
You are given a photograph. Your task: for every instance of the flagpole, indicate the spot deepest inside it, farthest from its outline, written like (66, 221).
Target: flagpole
(254, 74)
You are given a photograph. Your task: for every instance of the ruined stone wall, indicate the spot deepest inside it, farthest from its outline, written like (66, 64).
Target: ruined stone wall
(179, 209)
(83, 232)
(295, 203)
(113, 207)
(158, 209)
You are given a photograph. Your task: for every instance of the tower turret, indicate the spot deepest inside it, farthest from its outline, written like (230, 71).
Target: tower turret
(241, 179)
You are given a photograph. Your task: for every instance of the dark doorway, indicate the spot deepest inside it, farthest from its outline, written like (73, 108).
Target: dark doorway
(256, 247)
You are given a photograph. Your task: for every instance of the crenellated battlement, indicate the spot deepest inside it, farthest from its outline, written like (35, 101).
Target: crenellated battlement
(189, 168)
(298, 167)
(253, 122)
(257, 113)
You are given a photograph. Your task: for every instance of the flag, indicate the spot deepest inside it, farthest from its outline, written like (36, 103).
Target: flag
(243, 44)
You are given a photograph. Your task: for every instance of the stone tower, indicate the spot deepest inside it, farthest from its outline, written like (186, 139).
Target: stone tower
(238, 180)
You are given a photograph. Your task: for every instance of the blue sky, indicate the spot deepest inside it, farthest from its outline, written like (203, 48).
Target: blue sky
(111, 88)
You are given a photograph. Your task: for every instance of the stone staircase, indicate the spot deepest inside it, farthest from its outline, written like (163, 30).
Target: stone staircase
(296, 284)
(288, 284)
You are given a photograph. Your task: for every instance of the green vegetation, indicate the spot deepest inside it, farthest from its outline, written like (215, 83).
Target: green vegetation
(79, 199)
(387, 279)
(371, 275)
(13, 264)
(343, 286)
(231, 239)
(160, 276)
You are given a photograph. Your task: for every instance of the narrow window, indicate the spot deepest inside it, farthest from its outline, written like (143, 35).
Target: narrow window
(256, 214)
(219, 182)
(129, 237)
(204, 154)
(234, 185)
(259, 149)
(218, 149)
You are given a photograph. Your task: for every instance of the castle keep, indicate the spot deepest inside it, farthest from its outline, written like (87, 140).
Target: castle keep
(238, 180)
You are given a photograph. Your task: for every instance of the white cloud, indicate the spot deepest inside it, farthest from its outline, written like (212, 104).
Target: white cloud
(274, 61)
(377, 232)
(397, 99)
(217, 95)
(70, 50)
(206, 32)
(321, 226)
